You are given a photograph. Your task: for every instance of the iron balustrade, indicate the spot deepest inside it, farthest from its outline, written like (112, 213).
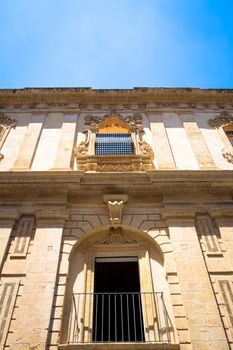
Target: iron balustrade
(118, 317)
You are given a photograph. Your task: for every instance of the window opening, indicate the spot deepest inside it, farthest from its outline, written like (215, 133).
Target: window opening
(113, 143)
(117, 309)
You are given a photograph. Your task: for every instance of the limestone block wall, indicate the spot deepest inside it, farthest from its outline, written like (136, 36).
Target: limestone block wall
(179, 139)
(198, 266)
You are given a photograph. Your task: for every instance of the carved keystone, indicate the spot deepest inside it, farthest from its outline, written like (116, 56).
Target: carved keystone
(115, 206)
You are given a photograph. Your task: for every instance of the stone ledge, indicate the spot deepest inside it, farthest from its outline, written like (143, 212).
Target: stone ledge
(120, 346)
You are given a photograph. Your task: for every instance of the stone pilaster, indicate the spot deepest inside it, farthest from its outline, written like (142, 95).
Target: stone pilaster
(7, 221)
(66, 143)
(204, 321)
(35, 305)
(28, 147)
(161, 143)
(223, 281)
(197, 142)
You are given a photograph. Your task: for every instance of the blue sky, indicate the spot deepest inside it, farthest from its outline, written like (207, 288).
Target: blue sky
(116, 43)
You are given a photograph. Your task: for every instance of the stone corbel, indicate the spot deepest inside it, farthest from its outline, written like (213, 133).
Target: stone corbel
(115, 206)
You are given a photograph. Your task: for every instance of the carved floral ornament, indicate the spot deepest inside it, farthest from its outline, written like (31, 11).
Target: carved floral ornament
(116, 236)
(85, 151)
(225, 119)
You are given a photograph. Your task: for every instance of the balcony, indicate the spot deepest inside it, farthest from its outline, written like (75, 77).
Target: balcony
(119, 321)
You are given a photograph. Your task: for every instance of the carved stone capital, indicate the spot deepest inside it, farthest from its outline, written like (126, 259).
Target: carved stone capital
(224, 118)
(228, 155)
(7, 122)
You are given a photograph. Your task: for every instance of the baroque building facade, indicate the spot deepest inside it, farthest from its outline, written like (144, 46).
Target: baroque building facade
(116, 219)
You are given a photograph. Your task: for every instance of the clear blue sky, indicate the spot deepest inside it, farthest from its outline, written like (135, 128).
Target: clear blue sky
(116, 43)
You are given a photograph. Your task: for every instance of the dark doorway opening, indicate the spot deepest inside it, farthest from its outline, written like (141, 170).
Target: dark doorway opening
(117, 309)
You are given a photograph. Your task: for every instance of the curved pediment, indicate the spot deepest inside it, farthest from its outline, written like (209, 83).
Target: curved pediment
(112, 124)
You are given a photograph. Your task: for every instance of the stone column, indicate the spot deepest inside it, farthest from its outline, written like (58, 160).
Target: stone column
(7, 221)
(204, 321)
(35, 304)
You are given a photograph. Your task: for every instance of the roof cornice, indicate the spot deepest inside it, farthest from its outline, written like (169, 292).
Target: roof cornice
(115, 96)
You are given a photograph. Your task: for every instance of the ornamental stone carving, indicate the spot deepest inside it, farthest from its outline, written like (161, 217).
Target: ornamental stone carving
(228, 155)
(115, 206)
(223, 119)
(94, 123)
(116, 236)
(115, 212)
(140, 160)
(5, 125)
(7, 122)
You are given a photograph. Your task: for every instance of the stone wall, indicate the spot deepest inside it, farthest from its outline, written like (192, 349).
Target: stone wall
(180, 140)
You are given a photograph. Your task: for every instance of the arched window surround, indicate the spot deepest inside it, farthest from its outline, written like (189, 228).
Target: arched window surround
(224, 124)
(139, 160)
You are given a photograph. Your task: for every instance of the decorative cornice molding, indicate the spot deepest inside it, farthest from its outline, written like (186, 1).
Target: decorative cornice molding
(113, 97)
(223, 119)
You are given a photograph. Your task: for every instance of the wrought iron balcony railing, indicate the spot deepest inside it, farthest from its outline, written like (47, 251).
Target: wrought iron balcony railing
(118, 317)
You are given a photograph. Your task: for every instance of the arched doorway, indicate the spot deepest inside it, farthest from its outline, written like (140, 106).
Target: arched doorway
(116, 290)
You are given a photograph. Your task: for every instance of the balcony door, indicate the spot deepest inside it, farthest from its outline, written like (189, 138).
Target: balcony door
(117, 309)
